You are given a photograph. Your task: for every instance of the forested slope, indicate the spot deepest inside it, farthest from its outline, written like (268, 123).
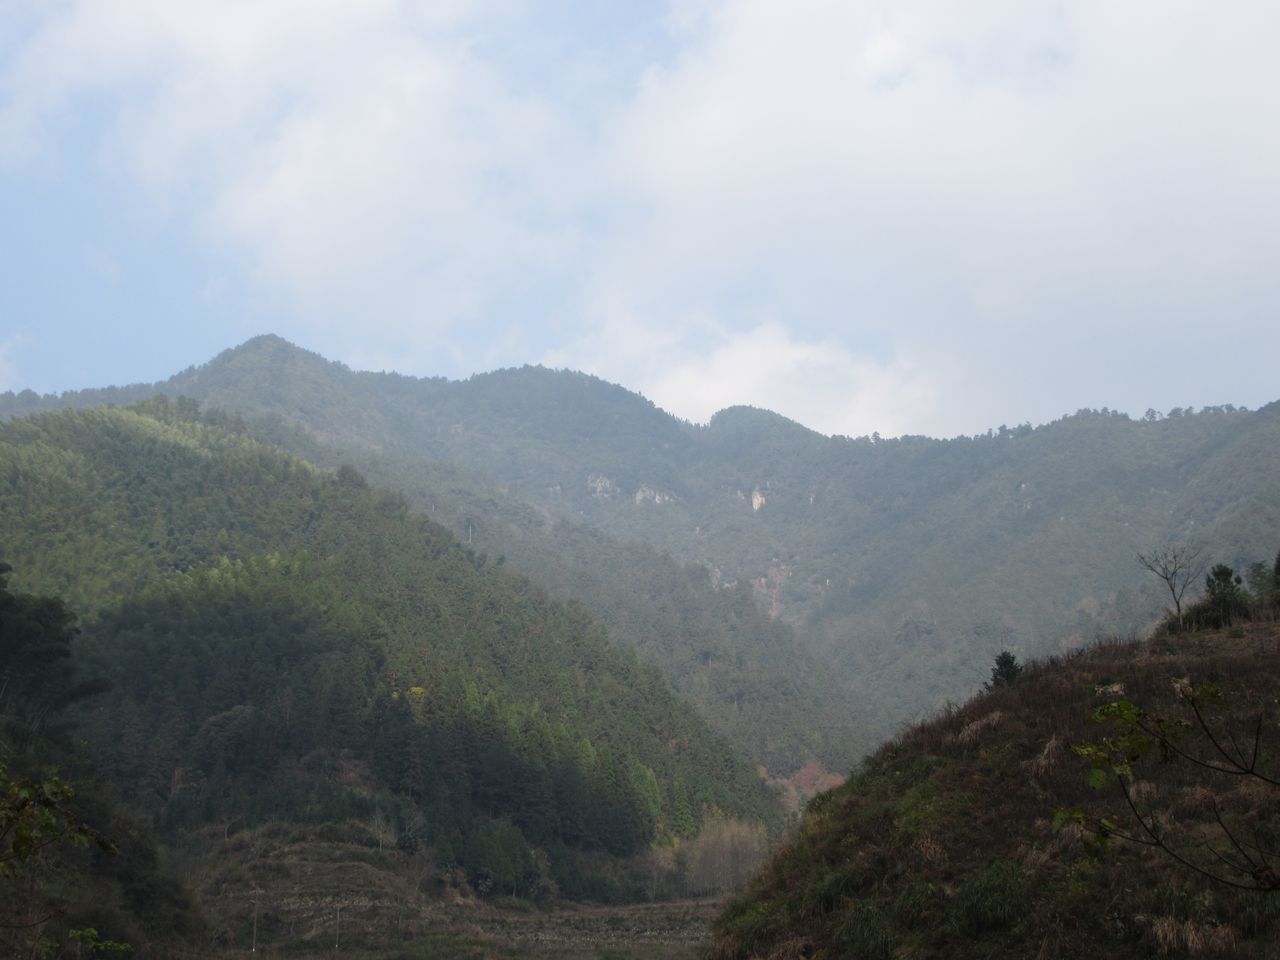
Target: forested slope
(747, 673)
(285, 642)
(901, 564)
(77, 873)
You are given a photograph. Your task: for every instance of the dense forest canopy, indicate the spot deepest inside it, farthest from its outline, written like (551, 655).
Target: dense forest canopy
(532, 636)
(286, 642)
(898, 566)
(77, 872)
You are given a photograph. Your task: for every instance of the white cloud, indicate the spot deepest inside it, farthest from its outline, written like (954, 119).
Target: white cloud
(819, 383)
(846, 211)
(358, 157)
(1011, 189)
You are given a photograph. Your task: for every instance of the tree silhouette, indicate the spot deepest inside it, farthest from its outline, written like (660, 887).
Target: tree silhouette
(1178, 565)
(1005, 671)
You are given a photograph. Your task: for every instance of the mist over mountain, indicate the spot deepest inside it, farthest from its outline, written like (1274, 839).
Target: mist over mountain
(900, 566)
(778, 529)
(535, 633)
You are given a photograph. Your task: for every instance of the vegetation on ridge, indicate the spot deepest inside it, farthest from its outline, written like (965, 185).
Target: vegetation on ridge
(945, 843)
(854, 543)
(288, 643)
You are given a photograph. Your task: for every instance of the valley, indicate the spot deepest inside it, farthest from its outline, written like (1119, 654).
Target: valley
(523, 666)
(693, 480)
(862, 616)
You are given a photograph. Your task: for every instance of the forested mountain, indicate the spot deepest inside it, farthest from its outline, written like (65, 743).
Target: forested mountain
(746, 672)
(902, 565)
(287, 643)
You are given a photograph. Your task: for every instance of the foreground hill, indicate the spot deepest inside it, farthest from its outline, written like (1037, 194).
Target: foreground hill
(289, 644)
(978, 834)
(902, 565)
(75, 869)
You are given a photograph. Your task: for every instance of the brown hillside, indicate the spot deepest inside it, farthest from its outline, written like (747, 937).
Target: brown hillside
(944, 844)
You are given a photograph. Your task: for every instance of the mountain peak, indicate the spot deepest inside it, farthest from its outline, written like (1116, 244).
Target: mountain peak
(271, 348)
(746, 418)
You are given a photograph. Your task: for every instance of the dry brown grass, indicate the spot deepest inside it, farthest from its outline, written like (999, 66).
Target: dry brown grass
(1196, 800)
(1186, 937)
(1144, 791)
(972, 732)
(992, 773)
(796, 948)
(1046, 762)
(930, 850)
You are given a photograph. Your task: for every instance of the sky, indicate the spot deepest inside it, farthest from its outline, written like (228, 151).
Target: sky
(885, 215)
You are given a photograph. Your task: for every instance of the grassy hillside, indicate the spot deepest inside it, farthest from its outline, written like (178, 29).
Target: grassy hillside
(982, 833)
(287, 643)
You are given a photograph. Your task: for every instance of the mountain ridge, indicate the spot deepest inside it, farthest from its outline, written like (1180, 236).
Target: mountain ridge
(289, 642)
(981, 833)
(901, 564)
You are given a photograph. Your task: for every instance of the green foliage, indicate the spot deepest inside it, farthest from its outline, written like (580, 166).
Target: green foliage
(748, 925)
(993, 898)
(914, 904)
(925, 806)
(899, 854)
(865, 934)
(1005, 671)
(1114, 756)
(38, 679)
(284, 642)
(74, 873)
(1214, 742)
(37, 683)
(561, 473)
(747, 673)
(499, 859)
(35, 815)
(88, 939)
(1224, 601)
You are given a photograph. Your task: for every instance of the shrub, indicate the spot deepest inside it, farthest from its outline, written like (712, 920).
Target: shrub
(865, 934)
(912, 906)
(1005, 671)
(995, 897)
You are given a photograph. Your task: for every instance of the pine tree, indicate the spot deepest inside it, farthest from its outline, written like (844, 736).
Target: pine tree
(1005, 671)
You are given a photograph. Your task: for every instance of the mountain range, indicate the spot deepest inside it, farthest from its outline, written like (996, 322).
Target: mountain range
(807, 593)
(528, 636)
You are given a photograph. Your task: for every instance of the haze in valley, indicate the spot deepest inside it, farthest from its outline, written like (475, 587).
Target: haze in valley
(708, 478)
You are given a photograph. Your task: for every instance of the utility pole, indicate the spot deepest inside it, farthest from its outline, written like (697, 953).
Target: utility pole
(254, 948)
(337, 925)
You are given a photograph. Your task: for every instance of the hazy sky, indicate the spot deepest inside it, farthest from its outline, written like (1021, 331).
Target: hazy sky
(875, 215)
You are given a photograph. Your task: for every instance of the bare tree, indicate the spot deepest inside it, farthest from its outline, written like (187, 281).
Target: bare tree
(1178, 565)
(1224, 747)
